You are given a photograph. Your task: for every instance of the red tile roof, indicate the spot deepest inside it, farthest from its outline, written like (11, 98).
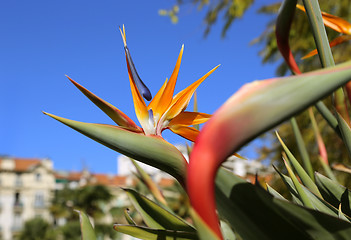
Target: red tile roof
(103, 179)
(109, 180)
(23, 164)
(70, 176)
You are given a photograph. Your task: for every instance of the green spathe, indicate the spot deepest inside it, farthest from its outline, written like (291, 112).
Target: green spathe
(153, 151)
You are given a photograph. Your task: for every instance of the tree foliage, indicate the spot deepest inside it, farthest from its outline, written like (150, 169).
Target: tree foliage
(37, 229)
(301, 43)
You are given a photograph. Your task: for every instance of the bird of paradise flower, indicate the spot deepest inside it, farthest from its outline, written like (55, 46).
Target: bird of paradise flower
(164, 111)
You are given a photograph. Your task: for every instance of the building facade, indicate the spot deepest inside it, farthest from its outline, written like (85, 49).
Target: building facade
(26, 187)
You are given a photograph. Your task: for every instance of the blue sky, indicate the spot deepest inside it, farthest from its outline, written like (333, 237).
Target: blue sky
(41, 41)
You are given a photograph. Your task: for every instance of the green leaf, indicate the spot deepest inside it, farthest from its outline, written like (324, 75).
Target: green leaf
(320, 35)
(128, 218)
(154, 234)
(282, 31)
(228, 233)
(274, 192)
(303, 196)
(153, 151)
(250, 207)
(327, 169)
(86, 227)
(146, 179)
(334, 193)
(317, 202)
(342, 215)
(306, 180)
(345, 132)
(155, 216)
(302, 148)
(290, 185)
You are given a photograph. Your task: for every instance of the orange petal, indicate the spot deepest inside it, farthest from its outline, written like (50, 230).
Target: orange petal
(336, 23)
(181, 100)
(189, 133)
(154, 102)
(167, 95)
(139, 105)
(114, 113)
(336, 41)
(190, 118)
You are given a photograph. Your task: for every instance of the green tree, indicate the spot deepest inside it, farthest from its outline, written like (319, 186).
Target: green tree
(37, 229)
(91, 199)
(301, 42)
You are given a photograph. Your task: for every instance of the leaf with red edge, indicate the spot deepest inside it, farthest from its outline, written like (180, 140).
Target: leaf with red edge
(254, 109)
(282, 30)
(153, 151)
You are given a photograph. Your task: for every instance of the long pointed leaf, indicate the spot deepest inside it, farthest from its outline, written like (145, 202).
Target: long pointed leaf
(128, 218)
(154, 190)
(87, 229)
(290, 185)
(254, 206)
(302, 148)
(303, 196)
(306, 180)
(334, 193)
(345, 131)
(320, 36)
(154, 234)
(254, 109)
(155, 216)
(282, 30)
(153, 151)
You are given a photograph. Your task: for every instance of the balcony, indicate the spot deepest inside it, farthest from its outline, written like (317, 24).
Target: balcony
(40, 205)
(18, 206)
(16, 228)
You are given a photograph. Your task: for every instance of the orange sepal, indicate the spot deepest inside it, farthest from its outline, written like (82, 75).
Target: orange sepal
(114, 113)
(336, 41)
(181, 100)
(167, 95)
(155, 101)
(189, 133)
(334, 22)
(190, 118)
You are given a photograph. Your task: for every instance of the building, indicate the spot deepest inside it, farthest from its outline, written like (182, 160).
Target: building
(26, 187)
(248, 169)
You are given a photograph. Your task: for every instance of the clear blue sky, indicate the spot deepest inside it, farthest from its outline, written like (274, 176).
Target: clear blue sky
(41, 41)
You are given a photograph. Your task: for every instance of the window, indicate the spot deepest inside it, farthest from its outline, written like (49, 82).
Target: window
(38, 177)
(18, 181)
(39, 199)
